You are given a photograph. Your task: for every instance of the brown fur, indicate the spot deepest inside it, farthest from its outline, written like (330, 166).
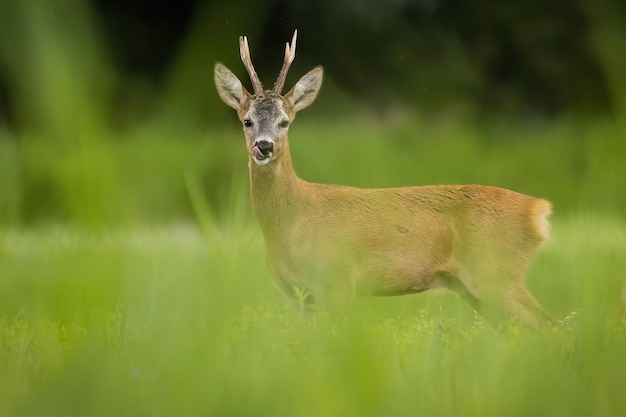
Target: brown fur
(336, 241)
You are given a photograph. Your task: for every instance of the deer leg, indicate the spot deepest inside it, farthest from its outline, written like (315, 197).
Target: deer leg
(499, 295)
(454, 284)
(514, 302)
(333, 295)
(299, 296)
(519, 302)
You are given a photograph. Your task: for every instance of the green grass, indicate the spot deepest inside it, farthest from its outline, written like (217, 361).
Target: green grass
(133, 280)
(138, 175)
(171, 321)
(132, 273)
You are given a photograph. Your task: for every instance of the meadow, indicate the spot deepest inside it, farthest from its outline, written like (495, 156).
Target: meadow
(147, 313)
(132, 271)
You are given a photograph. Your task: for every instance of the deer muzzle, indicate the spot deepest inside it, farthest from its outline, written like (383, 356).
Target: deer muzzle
(262, 151)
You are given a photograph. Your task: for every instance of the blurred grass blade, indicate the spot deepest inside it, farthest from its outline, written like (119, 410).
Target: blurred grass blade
(202, 210)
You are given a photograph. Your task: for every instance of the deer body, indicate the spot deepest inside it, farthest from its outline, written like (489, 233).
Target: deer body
(337, 241)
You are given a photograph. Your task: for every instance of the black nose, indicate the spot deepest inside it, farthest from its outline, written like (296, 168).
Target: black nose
(264, 146)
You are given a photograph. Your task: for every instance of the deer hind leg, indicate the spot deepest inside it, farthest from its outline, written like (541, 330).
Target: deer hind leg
(518, 302)
(497, 302)
(513, 301)
(454, 284)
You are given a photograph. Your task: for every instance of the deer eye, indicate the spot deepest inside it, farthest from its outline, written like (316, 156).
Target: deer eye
(283, 124)
(247, 123)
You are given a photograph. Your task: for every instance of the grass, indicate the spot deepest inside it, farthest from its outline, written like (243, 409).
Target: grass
(133, 279)
(138, 175)
(171, 321)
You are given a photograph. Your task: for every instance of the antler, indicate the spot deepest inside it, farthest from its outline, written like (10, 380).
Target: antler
(247, 62)
(290, 55)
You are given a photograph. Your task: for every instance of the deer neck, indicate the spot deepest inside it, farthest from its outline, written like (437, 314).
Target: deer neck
(274, 190)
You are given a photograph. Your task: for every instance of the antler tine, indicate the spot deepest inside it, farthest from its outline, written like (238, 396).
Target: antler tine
(247, 62)
(290, 55)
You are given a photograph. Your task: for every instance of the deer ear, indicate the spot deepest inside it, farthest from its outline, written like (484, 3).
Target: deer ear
(305, 91)
(229, 87)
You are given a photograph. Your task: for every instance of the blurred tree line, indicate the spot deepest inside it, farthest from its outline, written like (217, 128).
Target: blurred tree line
(520, 58)
(96, 95)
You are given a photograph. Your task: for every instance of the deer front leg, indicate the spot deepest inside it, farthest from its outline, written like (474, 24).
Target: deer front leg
(335, 295)
(299, 296)
(328, 297)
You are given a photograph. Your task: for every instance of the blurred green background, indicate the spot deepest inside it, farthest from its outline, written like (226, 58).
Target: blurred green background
(132, 273)
(106, 106)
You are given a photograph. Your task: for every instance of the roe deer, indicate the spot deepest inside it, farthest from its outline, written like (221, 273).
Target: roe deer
(337, 241)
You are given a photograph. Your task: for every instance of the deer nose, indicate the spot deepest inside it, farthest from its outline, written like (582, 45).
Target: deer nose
(265, 146)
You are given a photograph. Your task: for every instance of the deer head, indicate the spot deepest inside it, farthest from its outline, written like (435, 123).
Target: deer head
(267, 114)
